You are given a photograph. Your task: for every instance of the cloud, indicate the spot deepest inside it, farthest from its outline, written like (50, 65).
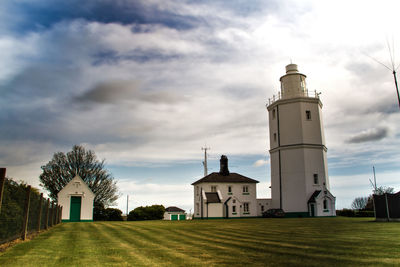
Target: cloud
(261, 162)
(113, 92)
(369, 135)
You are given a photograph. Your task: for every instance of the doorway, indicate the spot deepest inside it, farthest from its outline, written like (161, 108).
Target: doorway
(75, 210)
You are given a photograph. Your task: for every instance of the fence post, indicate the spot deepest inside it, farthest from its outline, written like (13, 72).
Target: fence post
(51, 214)
(2, 182)
(46, 226)
(40, 212)
(56, 215)
(26, 210)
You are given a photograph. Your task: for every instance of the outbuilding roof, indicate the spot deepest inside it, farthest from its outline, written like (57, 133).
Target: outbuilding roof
(212, 197)
(232, 177)
(314, 196)
(174, 209)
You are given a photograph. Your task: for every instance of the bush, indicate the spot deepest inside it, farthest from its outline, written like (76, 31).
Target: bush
(346, 213)
(154, 212)
(113, 214)
(102, 214)
(365, 213)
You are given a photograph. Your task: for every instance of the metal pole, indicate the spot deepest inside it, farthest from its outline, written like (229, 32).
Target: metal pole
(2, 182)
(397, 88)
(387, 207)
(127, 200)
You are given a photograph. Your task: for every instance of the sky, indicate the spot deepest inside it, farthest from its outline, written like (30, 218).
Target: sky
(147, 84)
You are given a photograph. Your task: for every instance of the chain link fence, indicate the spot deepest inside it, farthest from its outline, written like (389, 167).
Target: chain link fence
(23, 210)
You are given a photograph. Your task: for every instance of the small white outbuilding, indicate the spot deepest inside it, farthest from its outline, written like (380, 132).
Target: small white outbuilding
(76, 200)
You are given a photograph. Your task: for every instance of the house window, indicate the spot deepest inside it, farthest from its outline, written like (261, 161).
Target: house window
(230, 189)
(245, 190)
(197, 190)
(233, 208)
(246, 207)
(315, 178)
(273, 114)
(262, 208)
(197, 208)
(308, 115)
(274, 137)
(213, 188)
(325, 204)
(233, 200)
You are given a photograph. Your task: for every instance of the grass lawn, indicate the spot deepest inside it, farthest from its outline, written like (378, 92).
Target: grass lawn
(236, 242)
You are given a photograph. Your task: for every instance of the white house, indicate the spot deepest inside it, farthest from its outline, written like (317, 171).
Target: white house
(227, 195)
(299, 171)
(174, 214)
(76, 200)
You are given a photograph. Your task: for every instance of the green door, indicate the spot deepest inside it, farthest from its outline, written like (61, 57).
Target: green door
(182, 217)
(75, 211)
(174, 217)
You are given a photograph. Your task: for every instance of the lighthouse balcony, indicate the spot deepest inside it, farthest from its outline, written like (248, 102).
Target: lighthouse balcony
(305, 93)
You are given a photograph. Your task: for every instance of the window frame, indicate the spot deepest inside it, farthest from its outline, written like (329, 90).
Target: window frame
(246, 208)
(308, 115)
(315, 179)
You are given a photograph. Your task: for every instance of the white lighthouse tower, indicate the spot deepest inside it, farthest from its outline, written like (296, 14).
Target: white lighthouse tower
(299, 172)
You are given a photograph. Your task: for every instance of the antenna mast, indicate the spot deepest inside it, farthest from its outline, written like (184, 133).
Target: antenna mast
(127, 201)
(393, 68)
(205, 160)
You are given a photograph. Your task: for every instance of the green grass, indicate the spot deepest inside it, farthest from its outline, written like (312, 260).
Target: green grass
(240, 242)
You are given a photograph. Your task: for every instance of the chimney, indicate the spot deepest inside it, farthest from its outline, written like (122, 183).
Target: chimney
(223, 166)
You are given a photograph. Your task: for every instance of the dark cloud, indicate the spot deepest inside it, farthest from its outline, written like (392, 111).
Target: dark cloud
(42, 14)
(138, 55)
(113, 92)
(374, 134)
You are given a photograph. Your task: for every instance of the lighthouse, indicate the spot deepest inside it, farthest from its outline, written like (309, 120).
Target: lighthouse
(299, 171)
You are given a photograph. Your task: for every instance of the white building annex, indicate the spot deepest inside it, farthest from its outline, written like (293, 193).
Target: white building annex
(174, 214)
(299, 171)
(76, 200)
(227, 195)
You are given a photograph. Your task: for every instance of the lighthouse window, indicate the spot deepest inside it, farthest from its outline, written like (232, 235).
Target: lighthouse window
(308, 115)
(274, 137)
(315, 178)
(273, 114)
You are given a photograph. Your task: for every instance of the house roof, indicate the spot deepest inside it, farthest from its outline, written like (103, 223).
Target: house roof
(217, 177)
(314, 196)
(212, 197)
(174, 209)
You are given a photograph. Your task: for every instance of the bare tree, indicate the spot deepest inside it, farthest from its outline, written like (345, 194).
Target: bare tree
(383, 189)
(359, 203)
(62, 168)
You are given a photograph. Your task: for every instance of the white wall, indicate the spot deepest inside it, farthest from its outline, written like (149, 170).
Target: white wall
(237, 193)
(76, 187)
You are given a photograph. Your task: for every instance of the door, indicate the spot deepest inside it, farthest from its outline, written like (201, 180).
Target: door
(174, 217)
(75, 210)
(182, 217)
(312, 207)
